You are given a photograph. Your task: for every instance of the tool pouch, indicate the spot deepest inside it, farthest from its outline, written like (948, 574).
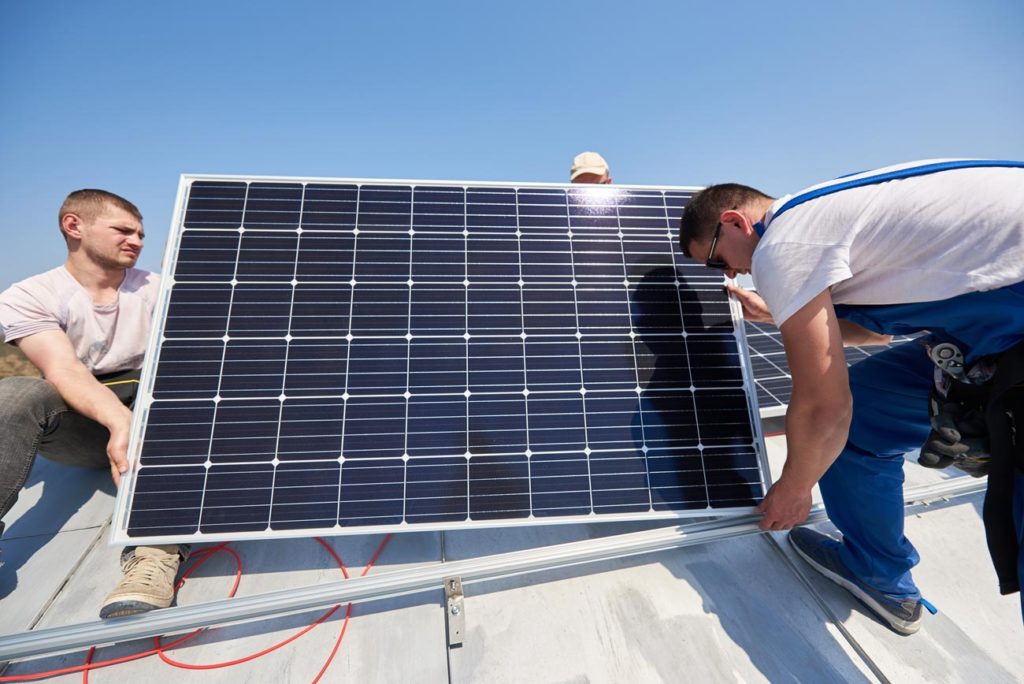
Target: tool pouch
(124, 384)
(959, 436)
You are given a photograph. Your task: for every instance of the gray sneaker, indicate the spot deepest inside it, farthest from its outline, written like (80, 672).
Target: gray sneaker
(822, 554)
(147, 582)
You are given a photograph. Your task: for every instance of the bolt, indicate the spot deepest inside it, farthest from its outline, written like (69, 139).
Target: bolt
(456, 610)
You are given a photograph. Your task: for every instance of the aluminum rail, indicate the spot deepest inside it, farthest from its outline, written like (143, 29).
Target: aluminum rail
(413, 580)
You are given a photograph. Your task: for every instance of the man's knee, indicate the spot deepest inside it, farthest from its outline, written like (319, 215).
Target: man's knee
(24, 397)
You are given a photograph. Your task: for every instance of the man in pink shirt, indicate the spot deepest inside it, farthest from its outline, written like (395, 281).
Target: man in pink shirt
(84, 325)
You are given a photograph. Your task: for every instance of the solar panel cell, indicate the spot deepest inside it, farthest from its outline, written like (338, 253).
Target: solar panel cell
(179, 434)
(237, 498)
(310, 430)
(215, 204)
(329, 207)
(371, 492)
(324, 257)
(499, 487)
(190, 369)
(207, 256)
(305, 496)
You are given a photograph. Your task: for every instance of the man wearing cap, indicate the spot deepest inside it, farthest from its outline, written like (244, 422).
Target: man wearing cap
(589, 167)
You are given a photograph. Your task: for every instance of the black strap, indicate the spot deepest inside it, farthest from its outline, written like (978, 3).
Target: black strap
(125, 384)
(1004, 414)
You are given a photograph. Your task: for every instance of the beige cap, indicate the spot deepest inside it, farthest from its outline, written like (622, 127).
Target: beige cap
(588, 162)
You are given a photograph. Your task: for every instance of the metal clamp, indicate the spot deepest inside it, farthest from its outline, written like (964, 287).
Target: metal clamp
(949, 358)
(455, 617)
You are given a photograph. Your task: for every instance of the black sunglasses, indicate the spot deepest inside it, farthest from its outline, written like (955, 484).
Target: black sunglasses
(715, 263)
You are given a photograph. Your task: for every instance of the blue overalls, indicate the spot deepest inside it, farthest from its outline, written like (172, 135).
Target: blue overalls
(863, 489)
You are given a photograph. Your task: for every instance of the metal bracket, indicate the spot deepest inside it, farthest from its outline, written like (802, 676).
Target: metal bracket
(455, 617)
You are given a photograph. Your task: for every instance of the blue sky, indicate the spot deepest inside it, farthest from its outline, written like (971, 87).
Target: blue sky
(128, 95)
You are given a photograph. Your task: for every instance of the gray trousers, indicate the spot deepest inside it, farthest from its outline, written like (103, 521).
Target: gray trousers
(34, 419)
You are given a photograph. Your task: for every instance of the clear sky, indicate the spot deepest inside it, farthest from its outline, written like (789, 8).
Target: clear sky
(128, 95)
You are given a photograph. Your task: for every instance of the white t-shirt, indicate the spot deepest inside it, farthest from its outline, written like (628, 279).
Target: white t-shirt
(106, 338)
(917, 239)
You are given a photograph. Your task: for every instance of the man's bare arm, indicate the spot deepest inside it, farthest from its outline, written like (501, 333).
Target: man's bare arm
(856, 335)
(818, 418)
(53, 355)
(755, 309)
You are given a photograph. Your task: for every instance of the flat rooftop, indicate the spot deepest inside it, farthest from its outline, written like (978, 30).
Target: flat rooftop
(740, 609)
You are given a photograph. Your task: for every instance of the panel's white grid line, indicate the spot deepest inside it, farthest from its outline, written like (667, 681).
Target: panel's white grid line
(522, 345)
(631, 391)
(348, 362)
(408, 359)
(223, 361)
(465, 360)
(493, 185)
(579, 349)
(686, 347)
(284, 370)
(636, 361)
(440, 335)
(681, 452)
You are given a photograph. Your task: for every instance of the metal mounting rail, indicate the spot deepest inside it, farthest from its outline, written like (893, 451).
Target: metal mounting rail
(413, 580)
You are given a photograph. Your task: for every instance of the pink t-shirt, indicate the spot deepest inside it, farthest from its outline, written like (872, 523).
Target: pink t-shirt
(106, 338)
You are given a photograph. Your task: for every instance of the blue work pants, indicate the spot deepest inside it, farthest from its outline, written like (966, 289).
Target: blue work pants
(863, 490)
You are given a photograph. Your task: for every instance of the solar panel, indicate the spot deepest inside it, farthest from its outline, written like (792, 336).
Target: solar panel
(349, 356)
(771, 371)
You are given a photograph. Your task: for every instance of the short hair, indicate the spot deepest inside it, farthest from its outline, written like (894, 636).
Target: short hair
(89, 203)
(700, 215)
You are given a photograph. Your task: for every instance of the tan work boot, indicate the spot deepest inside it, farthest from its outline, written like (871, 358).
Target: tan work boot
(147, 583)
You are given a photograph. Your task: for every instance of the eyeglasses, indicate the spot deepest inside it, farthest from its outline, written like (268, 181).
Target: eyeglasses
(715, 263)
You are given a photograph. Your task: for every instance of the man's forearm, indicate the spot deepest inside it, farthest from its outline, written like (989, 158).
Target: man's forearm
(51, 352)
(815, 434)
(82, 392)
(857, 335)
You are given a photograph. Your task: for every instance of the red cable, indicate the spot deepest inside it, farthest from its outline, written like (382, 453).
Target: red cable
(344, 626)
(337, 645)
(89, 665)
(201, 557)
(213, 666)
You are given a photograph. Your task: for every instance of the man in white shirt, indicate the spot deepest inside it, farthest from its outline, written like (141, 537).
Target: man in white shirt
(85, 325)
(928, 246)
